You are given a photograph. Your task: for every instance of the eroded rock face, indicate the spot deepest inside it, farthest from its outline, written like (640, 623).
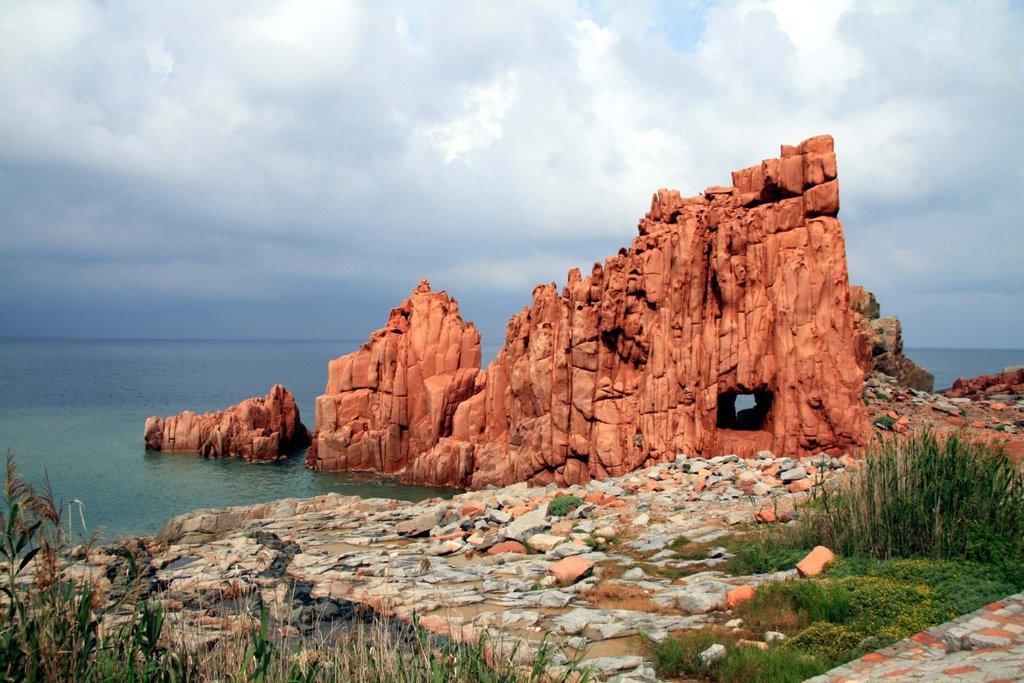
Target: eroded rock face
(256, 429)
(737, 294)
(881, 343)
(393, 399)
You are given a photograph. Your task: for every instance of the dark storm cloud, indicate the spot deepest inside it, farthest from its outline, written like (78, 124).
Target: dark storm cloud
(291, 169)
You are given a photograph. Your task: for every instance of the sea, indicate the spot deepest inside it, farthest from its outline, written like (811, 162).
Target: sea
(72, 413)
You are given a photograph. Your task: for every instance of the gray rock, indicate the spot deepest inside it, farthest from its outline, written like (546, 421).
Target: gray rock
(793, 474)
(499, 516)
(735, 517)
(774, 637)
(634, 574)
(533, 522)
(715, 652)
(419, 526)
(615, 664)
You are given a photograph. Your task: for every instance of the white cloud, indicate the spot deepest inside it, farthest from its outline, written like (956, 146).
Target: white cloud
(491, 142)
(479, 125)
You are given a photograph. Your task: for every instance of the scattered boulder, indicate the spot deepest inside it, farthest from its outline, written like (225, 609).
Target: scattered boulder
(713, 653)
(507, 547)
(815, 562)
(738, 596)
(571, 569)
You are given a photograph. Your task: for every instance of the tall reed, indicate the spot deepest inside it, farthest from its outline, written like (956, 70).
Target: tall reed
(926, 496)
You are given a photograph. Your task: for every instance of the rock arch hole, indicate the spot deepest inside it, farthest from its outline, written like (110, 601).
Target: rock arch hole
(744, 410)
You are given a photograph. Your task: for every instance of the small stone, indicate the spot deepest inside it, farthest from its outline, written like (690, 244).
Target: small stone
(774, 636)
(446, 548)
(507, 547)
(734, 623)
(642, 520)
(544, 542)
(735, 517)
(765, 517)
(793, 474)
(634, 574)
(743, 642)
(713, 653)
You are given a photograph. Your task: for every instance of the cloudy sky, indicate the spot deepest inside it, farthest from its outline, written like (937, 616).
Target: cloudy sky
(290, 169)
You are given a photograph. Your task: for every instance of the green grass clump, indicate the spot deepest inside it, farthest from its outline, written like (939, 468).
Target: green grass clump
(763, 553)
(884, 421)
(679, 656)
(949, 498)
(774, 665)
(563, 505)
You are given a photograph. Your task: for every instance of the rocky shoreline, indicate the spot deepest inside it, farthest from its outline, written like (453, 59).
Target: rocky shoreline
(499, 560)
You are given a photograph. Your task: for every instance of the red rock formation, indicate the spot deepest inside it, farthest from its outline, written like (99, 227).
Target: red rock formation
(880, 342)
(740, 291)
(1006, 382)
(255, 429)
(391, 400)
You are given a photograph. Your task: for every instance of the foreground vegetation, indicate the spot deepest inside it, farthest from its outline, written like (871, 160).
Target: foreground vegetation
(58, 628)
(928, 529)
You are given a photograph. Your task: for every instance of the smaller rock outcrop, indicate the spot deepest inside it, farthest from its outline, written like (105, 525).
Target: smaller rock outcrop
(882, 343)
(261, 429)
(1006, 382)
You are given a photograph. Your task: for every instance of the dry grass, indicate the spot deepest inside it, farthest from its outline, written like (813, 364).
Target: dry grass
(613, 595)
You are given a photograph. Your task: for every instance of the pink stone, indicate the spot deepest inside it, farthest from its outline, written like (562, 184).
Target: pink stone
(571, 569)
(815, 562)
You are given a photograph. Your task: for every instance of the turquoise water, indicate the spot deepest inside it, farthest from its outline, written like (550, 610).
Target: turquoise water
(76, 409)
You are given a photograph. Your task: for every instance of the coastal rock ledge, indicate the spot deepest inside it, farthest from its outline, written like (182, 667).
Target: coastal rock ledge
(258, 429)
(725, 327)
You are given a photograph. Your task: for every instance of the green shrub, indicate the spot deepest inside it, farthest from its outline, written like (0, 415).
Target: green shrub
(958, 587)
(946, 498)
(563, 505)
(832, 643)
(890, 609)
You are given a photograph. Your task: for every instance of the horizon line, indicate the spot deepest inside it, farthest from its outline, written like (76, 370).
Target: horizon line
(359, 341)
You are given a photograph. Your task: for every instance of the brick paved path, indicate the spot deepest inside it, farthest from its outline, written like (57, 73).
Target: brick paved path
(987, 645)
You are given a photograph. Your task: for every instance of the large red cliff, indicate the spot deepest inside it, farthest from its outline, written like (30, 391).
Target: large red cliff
(724, 328)
(260, 429)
